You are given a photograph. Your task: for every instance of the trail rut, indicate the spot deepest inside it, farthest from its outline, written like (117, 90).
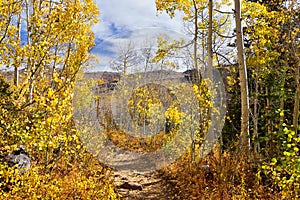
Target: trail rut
(154, 187)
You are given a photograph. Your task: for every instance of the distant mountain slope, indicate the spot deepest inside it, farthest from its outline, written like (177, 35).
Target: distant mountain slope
(109, 77)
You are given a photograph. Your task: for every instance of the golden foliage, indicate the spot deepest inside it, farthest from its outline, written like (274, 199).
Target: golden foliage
(37, 112)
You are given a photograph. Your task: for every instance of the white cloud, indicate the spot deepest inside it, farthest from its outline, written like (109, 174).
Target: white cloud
(131, 20)
(137, 20)
(134, 14)
(108, 49)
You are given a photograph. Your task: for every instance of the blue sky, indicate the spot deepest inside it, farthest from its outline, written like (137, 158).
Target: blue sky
(122, 21)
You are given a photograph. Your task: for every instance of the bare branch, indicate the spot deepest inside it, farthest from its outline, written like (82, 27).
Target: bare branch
(225, 36)
(224, 12)
(227, 60)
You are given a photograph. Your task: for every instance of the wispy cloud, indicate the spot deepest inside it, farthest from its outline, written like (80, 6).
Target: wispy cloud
(128, 20)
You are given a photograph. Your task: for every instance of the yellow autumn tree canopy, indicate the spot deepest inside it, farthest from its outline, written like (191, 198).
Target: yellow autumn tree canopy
(46, 44)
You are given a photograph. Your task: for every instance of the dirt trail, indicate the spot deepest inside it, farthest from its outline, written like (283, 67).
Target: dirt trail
(144, 185)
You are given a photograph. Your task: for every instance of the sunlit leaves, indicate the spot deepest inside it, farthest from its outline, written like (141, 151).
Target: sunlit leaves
(50, 42)
(167, 51)
(285, 169)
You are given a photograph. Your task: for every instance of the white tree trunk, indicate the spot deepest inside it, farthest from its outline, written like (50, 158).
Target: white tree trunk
(209, 40)
(245, 135)
(297, 98)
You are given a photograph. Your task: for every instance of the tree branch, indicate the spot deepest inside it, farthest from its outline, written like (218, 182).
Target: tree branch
(218, 54)
(224, 12)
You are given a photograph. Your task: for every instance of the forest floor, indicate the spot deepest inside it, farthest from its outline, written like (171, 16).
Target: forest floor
(145, 185)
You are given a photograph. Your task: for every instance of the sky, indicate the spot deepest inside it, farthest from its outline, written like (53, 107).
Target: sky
(122, 21)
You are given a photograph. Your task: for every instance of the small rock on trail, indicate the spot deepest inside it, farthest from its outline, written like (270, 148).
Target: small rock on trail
(144, 186)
